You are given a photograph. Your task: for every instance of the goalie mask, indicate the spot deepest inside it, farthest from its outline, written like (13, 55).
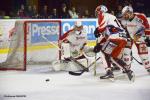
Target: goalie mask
(78, 27)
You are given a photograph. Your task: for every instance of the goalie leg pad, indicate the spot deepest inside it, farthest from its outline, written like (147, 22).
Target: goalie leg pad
(65, 50)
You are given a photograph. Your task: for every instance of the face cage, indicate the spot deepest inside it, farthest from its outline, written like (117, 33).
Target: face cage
(78, 28)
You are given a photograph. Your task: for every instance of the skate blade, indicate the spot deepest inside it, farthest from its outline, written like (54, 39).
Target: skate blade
(112, 79)
(109, 79)
(132, 79)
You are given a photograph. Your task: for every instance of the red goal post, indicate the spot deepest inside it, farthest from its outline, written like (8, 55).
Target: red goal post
(30, 44)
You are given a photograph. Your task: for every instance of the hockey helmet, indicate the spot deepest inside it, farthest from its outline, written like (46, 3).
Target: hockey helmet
(78, 26)
(101, 8)
(127, 9)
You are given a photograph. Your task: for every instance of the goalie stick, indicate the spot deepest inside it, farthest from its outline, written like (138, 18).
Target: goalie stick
(51, 42)
(72, 59)
(85, 69)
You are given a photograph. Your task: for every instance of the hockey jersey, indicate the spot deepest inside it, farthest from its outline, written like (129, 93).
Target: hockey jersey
(105, 20)
(76, 40)
(136, 25)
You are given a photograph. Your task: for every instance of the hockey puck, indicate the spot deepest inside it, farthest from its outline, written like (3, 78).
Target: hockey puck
(47, 80)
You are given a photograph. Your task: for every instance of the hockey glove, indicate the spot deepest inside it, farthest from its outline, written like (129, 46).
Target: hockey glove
(97, 48)
(147, 40)
(97, 33)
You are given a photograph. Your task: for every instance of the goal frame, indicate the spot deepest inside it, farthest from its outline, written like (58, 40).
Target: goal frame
(24, 67)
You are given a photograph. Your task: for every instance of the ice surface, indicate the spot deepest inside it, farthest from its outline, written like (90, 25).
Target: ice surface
(31, 85)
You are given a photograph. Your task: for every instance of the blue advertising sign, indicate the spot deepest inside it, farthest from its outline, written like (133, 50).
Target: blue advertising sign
(88, 25)
(44, 31)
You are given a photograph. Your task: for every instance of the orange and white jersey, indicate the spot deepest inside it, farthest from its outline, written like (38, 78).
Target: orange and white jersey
(138, 22)
(105, 19)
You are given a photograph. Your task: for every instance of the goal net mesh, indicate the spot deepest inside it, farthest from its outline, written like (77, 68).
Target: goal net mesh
(31, 43)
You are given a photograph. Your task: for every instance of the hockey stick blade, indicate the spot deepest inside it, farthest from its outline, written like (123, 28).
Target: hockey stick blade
(137, 60)
(78, 73)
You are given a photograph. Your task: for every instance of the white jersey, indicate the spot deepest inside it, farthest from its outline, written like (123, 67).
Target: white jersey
(137, 23)
(107, 19)
(76, 40)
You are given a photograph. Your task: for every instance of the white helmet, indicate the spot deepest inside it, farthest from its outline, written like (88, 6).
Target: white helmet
(78, 27)
(78, 24)
(127, 9)
(101, 8)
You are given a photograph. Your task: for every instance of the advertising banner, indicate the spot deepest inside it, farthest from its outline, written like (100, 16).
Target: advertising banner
(44, 31)
(89, 27)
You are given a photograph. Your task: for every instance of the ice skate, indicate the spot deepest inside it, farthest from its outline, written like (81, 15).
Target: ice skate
(130, 75)
(115, 68)
(109, 75)
(148, 70)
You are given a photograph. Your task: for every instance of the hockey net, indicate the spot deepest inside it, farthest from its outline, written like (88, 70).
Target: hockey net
(31, 44)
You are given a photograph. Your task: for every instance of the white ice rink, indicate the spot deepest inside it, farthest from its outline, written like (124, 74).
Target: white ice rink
(31, 85)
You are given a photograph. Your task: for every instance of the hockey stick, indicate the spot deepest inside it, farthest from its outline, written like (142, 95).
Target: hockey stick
(137, 60)
(70, 58)
(95, 59)
(73, 59)
(51, 42)
(85, 69)
(130, 76)
(77, 62)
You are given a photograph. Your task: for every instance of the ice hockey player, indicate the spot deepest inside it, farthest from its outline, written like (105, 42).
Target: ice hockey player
(112, 42)
(77, 38)
(137, 26)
